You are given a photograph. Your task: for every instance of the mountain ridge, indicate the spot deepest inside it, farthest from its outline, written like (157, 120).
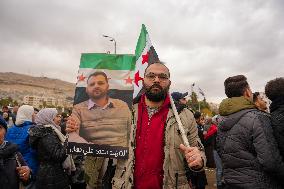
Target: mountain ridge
(17, 85)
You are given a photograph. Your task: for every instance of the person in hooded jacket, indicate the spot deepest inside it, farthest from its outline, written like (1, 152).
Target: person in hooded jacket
(45, 138)
(245, 141)
(274, 90)
(19, 135)
(13, 168)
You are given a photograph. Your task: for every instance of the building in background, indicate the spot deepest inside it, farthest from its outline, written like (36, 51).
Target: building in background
(43, 101)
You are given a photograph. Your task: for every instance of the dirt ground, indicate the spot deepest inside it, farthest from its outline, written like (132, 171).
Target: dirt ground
(211, 178)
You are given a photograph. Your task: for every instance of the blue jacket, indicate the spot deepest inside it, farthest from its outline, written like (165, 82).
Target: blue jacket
(19, 135)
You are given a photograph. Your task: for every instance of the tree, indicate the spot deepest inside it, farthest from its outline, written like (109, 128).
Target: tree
(204, 106)
(6, 101)
(59, 108)
(207, 111)
(193, 103)
(15, 103)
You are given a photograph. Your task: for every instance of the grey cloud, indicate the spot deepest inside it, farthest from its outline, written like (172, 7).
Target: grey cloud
(201, 41)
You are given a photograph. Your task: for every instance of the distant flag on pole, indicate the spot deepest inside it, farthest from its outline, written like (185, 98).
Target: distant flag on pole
(145, 54)
(201, 92)
(192, 85)
(118, 68)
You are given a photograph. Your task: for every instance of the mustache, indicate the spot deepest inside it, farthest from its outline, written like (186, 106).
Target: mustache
(155, 86)
(97, 89)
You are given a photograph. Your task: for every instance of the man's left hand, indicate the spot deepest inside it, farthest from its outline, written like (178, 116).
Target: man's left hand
(192, 156)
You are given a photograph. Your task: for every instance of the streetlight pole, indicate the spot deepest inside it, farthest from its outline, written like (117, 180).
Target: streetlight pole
(111, 39)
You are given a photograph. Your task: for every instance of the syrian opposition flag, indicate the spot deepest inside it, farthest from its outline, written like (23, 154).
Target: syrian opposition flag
(118, 68)
(201, 92)
(145, 54)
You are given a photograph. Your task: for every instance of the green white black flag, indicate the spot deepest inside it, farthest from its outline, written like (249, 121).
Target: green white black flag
(118, 68)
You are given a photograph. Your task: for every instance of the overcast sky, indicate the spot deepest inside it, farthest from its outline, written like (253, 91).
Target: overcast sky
(202, 41)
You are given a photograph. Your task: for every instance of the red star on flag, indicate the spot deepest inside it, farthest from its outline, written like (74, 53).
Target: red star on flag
(145, 58)
(81, 77)
(137, 78)
(128, 80)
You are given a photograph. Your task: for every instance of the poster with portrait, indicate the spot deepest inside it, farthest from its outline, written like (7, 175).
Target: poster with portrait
(102, 103)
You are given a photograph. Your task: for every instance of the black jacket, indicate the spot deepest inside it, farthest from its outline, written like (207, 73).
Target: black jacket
(50, 153)
(277, 118)
(9, 178)
(247, 148)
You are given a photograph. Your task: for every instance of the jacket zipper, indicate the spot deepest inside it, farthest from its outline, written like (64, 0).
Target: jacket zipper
(176, 175)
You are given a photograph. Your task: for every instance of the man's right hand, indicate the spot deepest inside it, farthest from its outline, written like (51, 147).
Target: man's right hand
(71, 125)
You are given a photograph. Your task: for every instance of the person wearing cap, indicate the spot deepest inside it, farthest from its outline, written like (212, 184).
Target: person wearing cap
(180, 97)
(180, 101)
(11, 160)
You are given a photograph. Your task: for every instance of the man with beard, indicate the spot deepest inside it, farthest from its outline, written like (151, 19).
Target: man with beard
(100, 120)
(157, 156)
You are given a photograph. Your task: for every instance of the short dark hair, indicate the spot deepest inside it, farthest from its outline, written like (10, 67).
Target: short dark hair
(235, 86)
(255, 95)
(162, 63)
(197, 115)
(275, 88)
(98, 73)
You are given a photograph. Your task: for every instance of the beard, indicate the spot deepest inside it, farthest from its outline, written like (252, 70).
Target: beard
(155, 95)
(97, 94)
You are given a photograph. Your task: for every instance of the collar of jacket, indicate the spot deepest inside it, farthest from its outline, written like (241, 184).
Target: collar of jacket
(8, 150)
(25, 124)
(235, 104)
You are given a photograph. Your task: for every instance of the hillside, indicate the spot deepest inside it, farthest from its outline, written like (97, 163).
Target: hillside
(19, 85)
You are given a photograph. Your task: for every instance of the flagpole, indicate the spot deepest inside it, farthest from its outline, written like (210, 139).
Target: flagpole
(180, 126)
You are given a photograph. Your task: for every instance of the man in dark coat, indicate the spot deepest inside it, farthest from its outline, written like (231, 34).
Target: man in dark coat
(245, 141)
(274, 90)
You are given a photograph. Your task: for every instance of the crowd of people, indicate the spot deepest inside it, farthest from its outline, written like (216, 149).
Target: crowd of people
(244, 143)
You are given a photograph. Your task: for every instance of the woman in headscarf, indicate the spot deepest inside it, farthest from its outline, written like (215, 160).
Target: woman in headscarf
(19, 135)
(47, 139)
(13, 168)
